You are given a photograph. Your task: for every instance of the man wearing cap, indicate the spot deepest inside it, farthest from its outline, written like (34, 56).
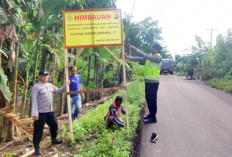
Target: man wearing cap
(151, 78)
(42, 110)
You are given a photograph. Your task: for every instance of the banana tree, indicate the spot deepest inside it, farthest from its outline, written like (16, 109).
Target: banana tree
(45, 17)
(10, 18)
(24, 72)
(3, 81)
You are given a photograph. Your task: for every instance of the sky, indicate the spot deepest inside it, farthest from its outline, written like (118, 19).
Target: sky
(181, 20)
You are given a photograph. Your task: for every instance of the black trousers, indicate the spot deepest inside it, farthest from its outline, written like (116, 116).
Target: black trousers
(151, 97)
(48, 118)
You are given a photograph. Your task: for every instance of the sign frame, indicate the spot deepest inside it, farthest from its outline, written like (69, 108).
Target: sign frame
(87, 46)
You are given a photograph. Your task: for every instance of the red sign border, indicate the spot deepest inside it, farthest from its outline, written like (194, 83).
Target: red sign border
(84, 46)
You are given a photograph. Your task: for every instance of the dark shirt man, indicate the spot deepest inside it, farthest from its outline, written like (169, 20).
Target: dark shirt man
(114, 112)
(191, 72)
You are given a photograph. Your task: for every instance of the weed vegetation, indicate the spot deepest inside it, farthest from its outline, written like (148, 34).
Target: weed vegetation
(224, 84)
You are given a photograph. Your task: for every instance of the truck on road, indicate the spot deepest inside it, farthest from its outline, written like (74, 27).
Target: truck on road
(167, 66)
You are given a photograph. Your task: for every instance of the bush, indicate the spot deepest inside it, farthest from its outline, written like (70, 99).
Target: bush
(136, 68)
(222, 84)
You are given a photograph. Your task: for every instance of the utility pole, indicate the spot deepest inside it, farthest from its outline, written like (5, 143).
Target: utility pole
(132, 8)
(211, 36)
(175, 55)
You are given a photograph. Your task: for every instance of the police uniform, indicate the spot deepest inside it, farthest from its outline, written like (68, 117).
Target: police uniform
(42, 99)
(151, 78)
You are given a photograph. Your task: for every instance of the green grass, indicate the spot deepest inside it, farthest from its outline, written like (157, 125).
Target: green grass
(180, 73)
(93, 138)
(224, 84)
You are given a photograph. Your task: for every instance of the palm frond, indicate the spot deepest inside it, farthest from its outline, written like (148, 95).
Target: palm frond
(15, 119)
(1, 51)
(3, 16)
(16, 16)
(12, 15)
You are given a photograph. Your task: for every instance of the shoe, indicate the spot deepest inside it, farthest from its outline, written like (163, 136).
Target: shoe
(37, 150)
(56, 141)
(147, 116)
(154, 137)
(150, 120)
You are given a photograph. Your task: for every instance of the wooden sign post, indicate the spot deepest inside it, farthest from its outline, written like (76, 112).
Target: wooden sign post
(68, 96)
(124, 79)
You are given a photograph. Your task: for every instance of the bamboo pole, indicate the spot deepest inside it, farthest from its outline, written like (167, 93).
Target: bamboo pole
(124, 78)
(78, 54)
(68, 96)
(119, 60)
(28, 153)
(97, 90)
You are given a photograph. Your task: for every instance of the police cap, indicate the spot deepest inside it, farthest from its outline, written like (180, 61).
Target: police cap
(157, 46)
(43, 72)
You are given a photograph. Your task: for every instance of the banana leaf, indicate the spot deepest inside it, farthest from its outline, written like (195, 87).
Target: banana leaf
(3, 85)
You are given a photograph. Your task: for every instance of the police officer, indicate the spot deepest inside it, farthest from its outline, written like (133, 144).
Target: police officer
(42, 110)
(151, 77)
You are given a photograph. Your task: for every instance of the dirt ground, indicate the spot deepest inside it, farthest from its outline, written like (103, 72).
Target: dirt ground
(22, 147)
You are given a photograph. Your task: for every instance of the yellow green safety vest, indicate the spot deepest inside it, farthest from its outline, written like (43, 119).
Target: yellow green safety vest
(152, 69)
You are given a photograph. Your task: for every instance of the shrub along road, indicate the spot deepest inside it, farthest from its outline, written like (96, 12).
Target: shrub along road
(193, 120)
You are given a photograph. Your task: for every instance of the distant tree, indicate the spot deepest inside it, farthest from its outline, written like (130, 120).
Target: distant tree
(144, 34)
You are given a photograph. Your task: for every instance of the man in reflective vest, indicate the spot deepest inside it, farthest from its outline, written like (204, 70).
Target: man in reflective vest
(151, 78)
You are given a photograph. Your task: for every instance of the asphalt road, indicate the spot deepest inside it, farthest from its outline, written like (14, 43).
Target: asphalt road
(194, 120)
